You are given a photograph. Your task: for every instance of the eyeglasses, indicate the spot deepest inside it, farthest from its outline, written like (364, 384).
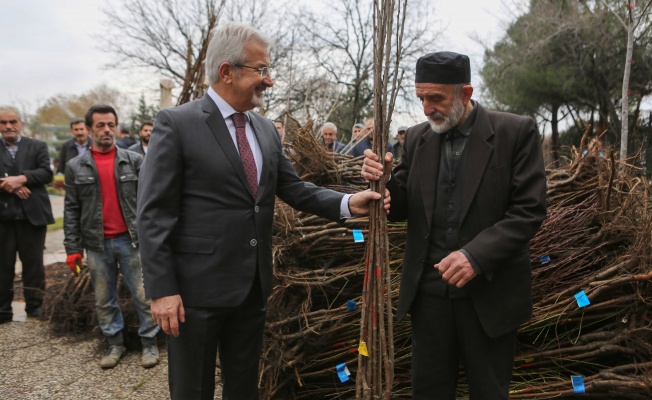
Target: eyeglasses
(12, 122)
(264, 71)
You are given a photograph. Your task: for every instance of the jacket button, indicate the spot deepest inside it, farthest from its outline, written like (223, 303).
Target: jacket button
(253, 242)
(256, 209)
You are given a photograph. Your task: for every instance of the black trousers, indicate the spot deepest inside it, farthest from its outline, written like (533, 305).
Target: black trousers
(28, 241)
(446, 331)
(238, 334)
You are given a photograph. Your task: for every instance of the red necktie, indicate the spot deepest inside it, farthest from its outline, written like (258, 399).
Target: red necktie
(246, 155)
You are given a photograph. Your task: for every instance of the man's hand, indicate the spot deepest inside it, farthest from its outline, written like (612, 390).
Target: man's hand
(359, 202)
(168, 312)
(74, 262)
(23, 193)
(372, 169)
(455, 269)
(12, 184)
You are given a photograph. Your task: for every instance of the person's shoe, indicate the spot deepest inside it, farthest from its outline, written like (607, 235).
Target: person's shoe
(150, 356)
(37, 313)
(113, 356)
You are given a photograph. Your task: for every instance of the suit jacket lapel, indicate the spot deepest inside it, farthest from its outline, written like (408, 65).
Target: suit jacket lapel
(265, 147)
(427, 160)
(23, 148)
(477, 159)
(216, 124)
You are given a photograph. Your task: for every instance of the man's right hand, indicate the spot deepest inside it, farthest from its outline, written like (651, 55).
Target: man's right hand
(168, 312)
(372, 169)
(74, 262)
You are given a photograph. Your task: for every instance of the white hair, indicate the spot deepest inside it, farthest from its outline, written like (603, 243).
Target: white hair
(6, 109)
(329, 125)
(228, 45)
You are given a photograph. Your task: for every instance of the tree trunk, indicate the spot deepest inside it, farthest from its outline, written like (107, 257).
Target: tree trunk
(624, 114)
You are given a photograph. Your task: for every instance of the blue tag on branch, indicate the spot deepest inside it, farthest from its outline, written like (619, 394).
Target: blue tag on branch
(582, 300)
(357, 236)
(578, 384)
(544, 259)
(343, 372)
(351, 305)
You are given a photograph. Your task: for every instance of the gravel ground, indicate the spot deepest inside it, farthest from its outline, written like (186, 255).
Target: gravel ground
(38, 364)
(35, 364)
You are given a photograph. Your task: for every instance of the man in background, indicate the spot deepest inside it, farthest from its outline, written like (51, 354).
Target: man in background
(125, 140)
(100, 216)
(280, 128)
(367, 141)
(24, 213)
(398, 146)
(75, 146)
(328, 133)
(144, 133)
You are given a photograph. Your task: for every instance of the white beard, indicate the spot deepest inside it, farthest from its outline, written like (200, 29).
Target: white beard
(450, 121)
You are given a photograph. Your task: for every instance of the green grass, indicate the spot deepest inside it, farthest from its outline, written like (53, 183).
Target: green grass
(58, 224)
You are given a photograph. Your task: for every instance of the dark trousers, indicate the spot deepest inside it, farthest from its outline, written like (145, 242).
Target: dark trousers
(238, 334)
(445, 331)
(28, 241)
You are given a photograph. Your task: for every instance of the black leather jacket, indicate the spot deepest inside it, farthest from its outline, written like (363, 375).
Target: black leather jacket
(83, 223)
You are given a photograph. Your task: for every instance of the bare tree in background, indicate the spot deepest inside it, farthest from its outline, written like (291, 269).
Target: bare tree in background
(339, 39)
(167, 36)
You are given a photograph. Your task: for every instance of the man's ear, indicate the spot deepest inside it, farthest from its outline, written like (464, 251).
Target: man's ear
(226, 72)
(467, 91)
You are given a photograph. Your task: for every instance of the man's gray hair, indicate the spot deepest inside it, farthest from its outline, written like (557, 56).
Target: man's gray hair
(328, 125)
(6, 109)
(228, 45)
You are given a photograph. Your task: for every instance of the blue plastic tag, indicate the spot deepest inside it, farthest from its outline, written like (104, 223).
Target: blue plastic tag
(357, 236)
(582, 300)
(343, 372)
(544, 259)
(578, 384)
(351, 305)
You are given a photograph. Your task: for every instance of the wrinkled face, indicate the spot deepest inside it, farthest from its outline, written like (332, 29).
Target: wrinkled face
(329, 135)
(369, 129)
(145, 133)
(400, 136)
(249, 88)
(443, 107)
(79, 132)
(103, 131)
(10, 126)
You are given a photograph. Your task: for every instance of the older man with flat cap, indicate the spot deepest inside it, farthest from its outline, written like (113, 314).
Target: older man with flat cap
(472, 187)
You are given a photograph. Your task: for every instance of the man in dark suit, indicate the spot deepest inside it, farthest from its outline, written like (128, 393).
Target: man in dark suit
(472, 187)
(24, 213)
(205, 211)
(75, 146)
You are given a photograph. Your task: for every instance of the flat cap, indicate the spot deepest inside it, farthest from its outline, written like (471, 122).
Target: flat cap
(402, 129)
(443, 67)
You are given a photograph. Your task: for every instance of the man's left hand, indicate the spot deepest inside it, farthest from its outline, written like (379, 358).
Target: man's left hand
(359, 202)
(455, 269)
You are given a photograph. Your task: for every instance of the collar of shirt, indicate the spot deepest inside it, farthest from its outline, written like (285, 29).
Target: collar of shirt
(20, 137)
(227, 111)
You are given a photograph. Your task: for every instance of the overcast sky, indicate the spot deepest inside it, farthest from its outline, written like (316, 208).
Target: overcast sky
(47, 48)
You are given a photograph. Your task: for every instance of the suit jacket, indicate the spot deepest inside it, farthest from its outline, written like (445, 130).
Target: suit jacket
(503, 206)
(137, 148)
(33, 161)
(68, 152)
(202, 234)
